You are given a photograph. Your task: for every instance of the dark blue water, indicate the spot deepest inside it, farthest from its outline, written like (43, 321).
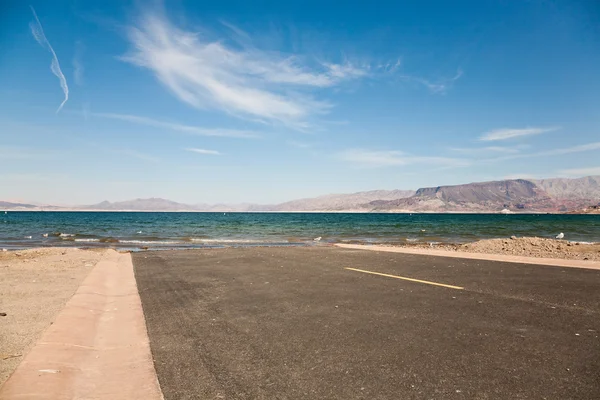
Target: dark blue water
(188, 230)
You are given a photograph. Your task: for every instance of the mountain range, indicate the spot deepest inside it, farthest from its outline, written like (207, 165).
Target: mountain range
(511, 195)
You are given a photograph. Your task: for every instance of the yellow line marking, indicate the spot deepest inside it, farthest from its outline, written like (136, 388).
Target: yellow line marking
(406, 279)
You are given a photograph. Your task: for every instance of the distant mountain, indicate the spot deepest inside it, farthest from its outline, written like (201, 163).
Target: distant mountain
(549, 195)
(152, 204)
(340, 202)
(10, 205)
(544, 195)
(579, 188)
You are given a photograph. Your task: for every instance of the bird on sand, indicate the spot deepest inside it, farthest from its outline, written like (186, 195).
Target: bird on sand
(560, 235)
(317, 239)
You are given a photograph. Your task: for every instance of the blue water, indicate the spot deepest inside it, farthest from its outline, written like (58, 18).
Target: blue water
(136, 230)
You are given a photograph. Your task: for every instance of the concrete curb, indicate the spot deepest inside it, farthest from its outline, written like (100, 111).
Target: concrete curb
(98, 346)
(479, 256)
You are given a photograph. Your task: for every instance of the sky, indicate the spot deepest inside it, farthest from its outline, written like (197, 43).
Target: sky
(264, 102)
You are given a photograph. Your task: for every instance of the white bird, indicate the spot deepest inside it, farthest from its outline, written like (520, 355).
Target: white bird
(560, 235)
(45, 235)
(317, 239)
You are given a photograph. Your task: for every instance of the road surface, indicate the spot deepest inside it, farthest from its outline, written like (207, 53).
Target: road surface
(331, 323)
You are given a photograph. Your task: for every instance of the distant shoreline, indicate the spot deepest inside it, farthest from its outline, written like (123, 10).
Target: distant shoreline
(308, 212)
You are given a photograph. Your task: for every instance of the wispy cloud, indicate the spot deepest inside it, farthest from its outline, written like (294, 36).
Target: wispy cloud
(301, 145)
(580, 171)
(136, 154)
(194, 130)
(78, 68)
(510, 133)
(488, 149)
(204, 151)
(25, 153)
(440, 86)
(389, 158)
(521, 176)
(38, 34)
(547, 153)
(569, 150)
(246, 82)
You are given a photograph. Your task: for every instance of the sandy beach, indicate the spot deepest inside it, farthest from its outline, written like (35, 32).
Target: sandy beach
(34, 286)
(522, 246)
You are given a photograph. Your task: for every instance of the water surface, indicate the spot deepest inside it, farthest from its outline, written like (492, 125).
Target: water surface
(190, 230)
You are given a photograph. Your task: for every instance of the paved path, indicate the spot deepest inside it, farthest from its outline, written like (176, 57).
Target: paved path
(97, 348)
(296, 323)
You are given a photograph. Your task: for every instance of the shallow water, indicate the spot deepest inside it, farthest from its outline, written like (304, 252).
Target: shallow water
(136, 230)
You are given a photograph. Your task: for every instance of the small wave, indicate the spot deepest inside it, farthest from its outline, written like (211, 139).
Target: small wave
(150, 242)
(109, 240)
(87, 240)
(232, 241)
(63, 235)
(412, 240)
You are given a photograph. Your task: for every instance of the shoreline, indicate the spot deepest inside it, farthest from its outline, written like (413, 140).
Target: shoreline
(349, 211)
(528, 247)
(520, 259)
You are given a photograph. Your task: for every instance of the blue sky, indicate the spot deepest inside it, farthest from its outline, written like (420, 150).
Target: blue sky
(208, 102)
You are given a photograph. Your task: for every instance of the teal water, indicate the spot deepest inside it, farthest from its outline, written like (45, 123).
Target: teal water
(136, 230)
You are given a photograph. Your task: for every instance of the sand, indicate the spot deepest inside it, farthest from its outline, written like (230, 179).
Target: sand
(526, 247)
(34, 286)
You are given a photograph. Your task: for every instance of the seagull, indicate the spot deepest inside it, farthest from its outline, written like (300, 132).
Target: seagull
(560, 235)
(317, 239)
(45, 235)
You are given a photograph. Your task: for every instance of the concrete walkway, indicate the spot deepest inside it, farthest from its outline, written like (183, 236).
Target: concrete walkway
(98, 346)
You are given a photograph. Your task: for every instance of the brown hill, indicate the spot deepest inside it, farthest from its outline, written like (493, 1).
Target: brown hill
(571, 189)
(340, 202)
(10, 205)
(494, 196)
(151, 204)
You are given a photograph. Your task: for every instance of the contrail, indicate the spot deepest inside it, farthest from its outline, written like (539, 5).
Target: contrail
(40, 37)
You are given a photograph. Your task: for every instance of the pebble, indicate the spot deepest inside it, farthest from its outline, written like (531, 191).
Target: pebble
(2, 314)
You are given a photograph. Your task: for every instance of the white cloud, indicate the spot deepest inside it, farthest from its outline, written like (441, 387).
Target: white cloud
(389, 158)
(38, 33)
(78, 68)
(553, 152)
(136, 154)
(488, 149)
(301, 145)
(195, 130)
(569, 150)
(246, 82)
(204, 151)
(580, 171)
(521, 176)
(25, 153)
(509, 133)
(436, 87)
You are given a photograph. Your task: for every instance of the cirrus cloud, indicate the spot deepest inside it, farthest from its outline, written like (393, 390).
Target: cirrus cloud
(245, 82)
(390, 158)
(38, 34)
(510, 133)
